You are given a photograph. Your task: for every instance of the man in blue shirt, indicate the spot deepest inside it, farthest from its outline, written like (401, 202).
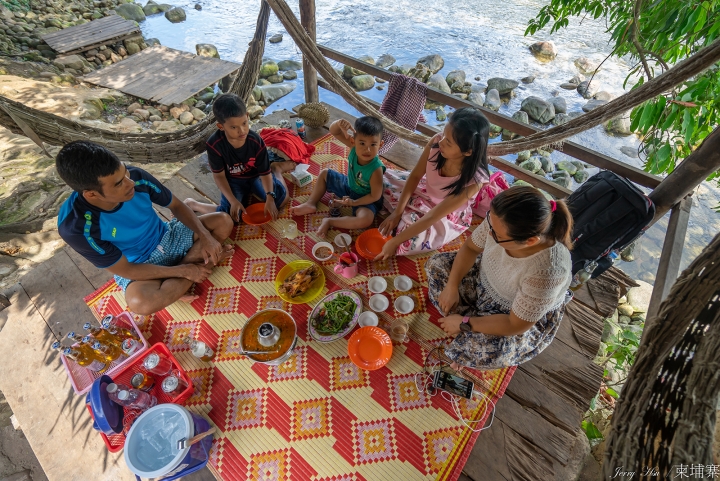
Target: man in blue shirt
(109, 220)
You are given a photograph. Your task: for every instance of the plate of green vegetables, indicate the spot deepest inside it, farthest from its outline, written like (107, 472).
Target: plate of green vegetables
(334, 316)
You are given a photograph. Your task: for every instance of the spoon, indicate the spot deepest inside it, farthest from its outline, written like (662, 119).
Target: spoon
(347, 249)
(257, 352)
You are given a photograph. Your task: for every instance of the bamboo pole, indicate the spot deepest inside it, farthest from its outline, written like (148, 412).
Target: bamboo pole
(307, 20)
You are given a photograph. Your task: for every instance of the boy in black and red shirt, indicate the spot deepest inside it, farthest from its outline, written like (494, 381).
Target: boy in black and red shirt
(239, 161)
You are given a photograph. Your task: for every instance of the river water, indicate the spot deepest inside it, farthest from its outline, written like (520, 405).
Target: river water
(482, 37)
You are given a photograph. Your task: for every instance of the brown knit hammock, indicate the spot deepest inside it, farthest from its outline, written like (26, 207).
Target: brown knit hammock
(665, 416)
(184, 144)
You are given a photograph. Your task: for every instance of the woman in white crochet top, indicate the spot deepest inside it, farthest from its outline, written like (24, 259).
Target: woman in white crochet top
(503, 292)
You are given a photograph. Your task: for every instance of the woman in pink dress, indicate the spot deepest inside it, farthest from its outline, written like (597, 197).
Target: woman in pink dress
(432, 205)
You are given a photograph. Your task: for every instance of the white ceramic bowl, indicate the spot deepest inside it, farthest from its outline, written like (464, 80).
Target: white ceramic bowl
(402, 283)
(368, 318)
(404, 304)
(377, 284)
(379, 303)
(318, 246)
(342, 240)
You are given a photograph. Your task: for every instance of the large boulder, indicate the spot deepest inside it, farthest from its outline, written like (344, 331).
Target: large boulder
(438, 81)
(492, 100)
(403, 69)
(544, 50)
(151, 8)
(619, 125)
(268, 68)
(176, 15)
(289, 65)
(275, 79)
(455, 76)
(362, 82)
(476, 98)
(289, 75)
(75, 62)
(385, 60)
(134, 44)
(593, 104)
(277, 38)
(639, 297)
(533, 164)
(586, 66)
(350, 72)
(420, 71)
(538, 109)
(367, 59)
(502, 85)
(270, 93)
(130, 11)
(587, 89)
(559, 104)
(207, 50)
(433, 62)
(520, 116)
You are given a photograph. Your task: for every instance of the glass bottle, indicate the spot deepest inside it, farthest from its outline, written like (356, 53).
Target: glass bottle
(102, 335)
(200, 350)
(118, 331)
(582, 276)
(93, 363)
(80, 343)
(109, 351)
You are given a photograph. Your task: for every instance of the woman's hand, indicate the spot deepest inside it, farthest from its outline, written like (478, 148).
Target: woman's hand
(451, 324)
(389, 224)
(449, 299)
(388, 250)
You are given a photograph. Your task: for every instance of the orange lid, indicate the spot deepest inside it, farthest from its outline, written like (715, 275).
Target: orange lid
(370, 348)
(255, 215)
(370, 243)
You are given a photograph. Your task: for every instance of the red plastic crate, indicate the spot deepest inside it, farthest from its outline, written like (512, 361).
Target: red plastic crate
(82, 378)
(116, 442)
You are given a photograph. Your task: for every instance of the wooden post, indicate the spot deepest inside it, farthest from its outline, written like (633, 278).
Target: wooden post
(687, 175)
(669, 267)
(307, 20)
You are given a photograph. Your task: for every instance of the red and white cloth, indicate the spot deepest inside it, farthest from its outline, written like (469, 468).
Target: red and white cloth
(404, 104)
(288, 142)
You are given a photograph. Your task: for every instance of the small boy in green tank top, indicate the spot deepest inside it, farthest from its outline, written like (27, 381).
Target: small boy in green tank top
(362, 188)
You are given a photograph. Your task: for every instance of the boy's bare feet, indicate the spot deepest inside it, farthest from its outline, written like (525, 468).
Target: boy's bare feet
(188, 298)
(304, 208)
(324, 227)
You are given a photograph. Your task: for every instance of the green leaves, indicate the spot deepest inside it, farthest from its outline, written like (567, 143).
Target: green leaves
(591, 431)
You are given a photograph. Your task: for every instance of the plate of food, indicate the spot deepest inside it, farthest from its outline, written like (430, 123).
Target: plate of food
(299, 282)
(334, 316)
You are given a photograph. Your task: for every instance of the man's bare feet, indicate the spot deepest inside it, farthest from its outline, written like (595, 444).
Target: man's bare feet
(188, 298)
(303, 209)
(226, 253)
(324, 227)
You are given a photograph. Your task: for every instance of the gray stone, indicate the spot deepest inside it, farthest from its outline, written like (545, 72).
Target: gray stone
(603, 95)
(198, 6)
(587, 89)
(350, 72)
(167, 125)
(610, 331)
(619, 125)
(568, 86)
(151, 42)
(151, 8)
(639, 297)
(421, 72)
(581, 176)
(523, 155)
(404, 68)
(593, 104)
(385, 60)
(262, 82)
(538, 109)
(559, 104)
(380, 87)
(71, 61)
(455, 76)
(277, 38)
(379, 80)
(257, 93)
(290, 75)
(624, 320)
(567, 167)
(563, 181)
(275, 79)
(141, 113)
(186, 118)
(92, 109)
(528, 80)
(561, 119)
(586, 66)
(367, 59)
(577, 78)
(362, 82)
(198, 114)
(438, 81)
(268, 68)
(433, 62)
(533, 164)
(130, 11)
(492, 100)
(502, 85)
(477, 98)
(440, 114)
(629, 151)
(286, 65)
(270, 93)
(207, 50)
(164, 7)
(521, 116)
(206, 97)
(255, 111)
(176, 15)
(547, 164)
(544, 50)
(136, 40)
(579, 166)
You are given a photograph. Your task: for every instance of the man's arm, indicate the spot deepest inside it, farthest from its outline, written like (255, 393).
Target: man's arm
(210, 248)
(147, 272)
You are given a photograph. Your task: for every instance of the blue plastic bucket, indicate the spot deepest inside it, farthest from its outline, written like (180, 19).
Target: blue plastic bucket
(158, 456)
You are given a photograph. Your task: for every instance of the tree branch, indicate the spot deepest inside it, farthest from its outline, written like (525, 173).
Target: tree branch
(636, 40)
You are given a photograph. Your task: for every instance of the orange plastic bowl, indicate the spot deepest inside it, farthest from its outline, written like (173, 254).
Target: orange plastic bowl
(370, 348)
(370, 243)
(255, 215)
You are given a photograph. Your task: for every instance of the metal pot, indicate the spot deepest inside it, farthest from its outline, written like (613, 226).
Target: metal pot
(280, 336)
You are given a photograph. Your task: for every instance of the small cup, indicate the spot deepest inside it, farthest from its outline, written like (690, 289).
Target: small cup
(290, 230)
(398, 330)
(402, 283)
(404, 304)
(345, 270)
(379, 303)
(368, 318)
(377, 285)
(318, 246)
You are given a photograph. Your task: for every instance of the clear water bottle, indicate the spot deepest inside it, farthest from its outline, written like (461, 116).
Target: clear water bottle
(582, 276)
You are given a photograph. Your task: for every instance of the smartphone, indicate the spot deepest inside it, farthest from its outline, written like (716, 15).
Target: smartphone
(453, 384)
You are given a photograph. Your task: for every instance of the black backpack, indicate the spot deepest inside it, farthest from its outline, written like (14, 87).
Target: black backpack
(609, 213)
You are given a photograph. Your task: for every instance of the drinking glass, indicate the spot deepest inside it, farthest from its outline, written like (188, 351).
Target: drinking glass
(398, 330)
(290, 230)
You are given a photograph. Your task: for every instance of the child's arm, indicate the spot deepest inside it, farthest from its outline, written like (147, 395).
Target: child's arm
(392, 221)
(339, 130)
(268, 185)
(376, 190)
(236, 206)
(450, 204)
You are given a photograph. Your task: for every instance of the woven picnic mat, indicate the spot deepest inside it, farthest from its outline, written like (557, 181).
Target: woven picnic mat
(317, 416)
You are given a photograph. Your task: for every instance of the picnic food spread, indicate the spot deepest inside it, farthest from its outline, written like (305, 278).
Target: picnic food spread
(300, 281)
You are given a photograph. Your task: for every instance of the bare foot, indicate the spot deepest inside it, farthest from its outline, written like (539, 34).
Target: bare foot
(227, 252)
(188, 298)
(324, 228)
(192, 203)
(303, 209)
(285, 166)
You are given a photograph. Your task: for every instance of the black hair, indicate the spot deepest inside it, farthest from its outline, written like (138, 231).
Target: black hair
(470, 131)
(227, 106)
(527, 213)
(81, 164)
(369, 126)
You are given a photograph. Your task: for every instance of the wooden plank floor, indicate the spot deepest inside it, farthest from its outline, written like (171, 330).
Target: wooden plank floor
(162, 74)
(92, 34)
